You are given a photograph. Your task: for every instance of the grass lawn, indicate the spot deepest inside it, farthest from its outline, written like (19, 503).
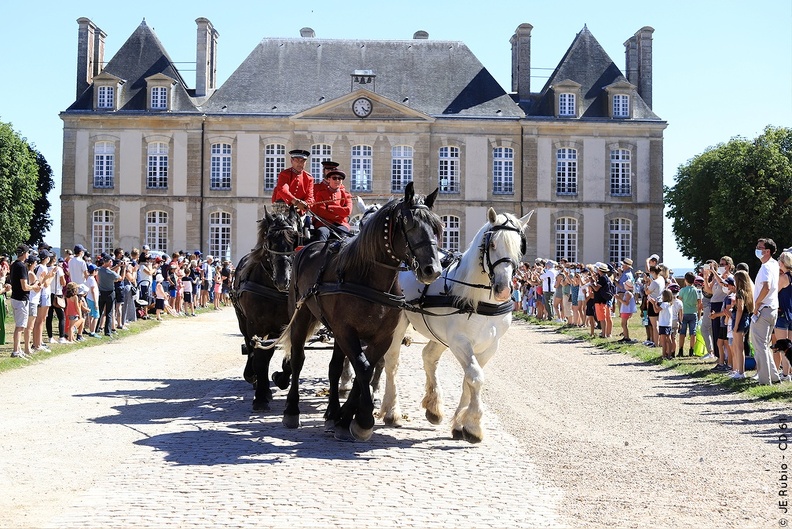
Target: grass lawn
(695, 367)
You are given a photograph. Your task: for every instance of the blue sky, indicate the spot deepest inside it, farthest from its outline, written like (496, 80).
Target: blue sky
(721, 68)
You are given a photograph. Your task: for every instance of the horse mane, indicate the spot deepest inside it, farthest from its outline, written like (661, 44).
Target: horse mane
(469, 268)
(359, 253)
(260, 254)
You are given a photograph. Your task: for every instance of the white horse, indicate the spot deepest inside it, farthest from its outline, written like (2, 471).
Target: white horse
(467, 310)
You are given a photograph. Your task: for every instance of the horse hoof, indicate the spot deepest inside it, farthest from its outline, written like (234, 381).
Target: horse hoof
(433, 418)
(457, 435)
(360, 434)
(291, 421)
(260, 405)
(342, 434)
(250, 379)
(469, 437)
(280, 380)
(330, 426)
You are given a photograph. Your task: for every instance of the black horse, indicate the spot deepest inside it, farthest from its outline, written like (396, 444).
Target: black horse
(351, 287)
(260, 297)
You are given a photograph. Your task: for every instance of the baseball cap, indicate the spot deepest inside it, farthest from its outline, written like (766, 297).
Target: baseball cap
(79, 248)
(22, 248)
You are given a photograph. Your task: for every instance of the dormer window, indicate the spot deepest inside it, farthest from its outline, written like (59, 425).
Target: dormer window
(620, 99)
(621, 106)
(107, 89)
(567, 99)
(160, 91)
(106, 97)
(566, 104)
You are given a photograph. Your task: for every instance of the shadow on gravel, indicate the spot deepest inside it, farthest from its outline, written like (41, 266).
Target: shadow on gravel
(213, 424)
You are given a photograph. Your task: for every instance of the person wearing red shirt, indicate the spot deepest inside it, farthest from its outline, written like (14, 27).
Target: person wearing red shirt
(295, 185)
(332, 205)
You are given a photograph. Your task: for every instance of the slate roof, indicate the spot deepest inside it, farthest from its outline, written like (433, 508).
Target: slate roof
(288, 76)
(587, 63)
(141, 56)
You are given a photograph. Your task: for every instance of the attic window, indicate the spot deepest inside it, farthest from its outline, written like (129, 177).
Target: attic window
(566, 105)
(160, 93)
(159, 98)
(106, 97)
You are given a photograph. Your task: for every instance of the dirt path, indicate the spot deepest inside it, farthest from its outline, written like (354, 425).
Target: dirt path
(634, 445)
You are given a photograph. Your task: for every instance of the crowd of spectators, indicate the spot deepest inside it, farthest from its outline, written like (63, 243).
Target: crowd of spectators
(97, 295)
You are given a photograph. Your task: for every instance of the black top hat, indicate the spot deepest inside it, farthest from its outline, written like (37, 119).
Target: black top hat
(329, 164)
(299, 153)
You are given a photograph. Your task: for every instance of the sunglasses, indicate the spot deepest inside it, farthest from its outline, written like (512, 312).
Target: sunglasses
(335, 178)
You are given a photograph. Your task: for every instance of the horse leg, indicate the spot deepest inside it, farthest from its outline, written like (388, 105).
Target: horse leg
(432, 401)
(342, 430)
(389, 411)
(333, 412)
(298, 332)
(346, 377)
(263, 395)
(467, 419)
(281, 378)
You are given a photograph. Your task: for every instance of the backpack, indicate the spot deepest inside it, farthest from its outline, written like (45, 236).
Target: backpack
(610, 291)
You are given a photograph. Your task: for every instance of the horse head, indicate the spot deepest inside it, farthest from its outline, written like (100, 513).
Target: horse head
(421, 228)
(282, 236)
(503, 245)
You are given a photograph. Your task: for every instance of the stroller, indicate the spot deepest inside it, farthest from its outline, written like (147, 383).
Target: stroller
(143, 299)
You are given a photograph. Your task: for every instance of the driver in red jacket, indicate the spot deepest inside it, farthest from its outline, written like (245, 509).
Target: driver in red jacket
(295, 185)
(332, 205)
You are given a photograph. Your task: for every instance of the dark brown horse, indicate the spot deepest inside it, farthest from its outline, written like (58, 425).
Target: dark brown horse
(351, 287)
(260, 297)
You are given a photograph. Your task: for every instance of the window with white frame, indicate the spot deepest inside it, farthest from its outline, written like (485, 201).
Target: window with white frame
(104, 164)
(566, 104)
(157, 177)
(619, 240)
(219, 233)
(106, 97)
(274, 163)
(451, 237)
(320, 152)
(157, 230)
(102, 231)
(401, 167)
(220, 166)
(566, 171)
(621, 106)
(620, 172)
(448, 169)
(361, 168)
(159, 98)
(503, 171)
(566, 239)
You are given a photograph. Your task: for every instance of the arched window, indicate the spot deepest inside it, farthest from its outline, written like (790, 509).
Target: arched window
(503, 171)
(450, 233)
(104, 164)
(274, 163)
(401, 167)
(219, 234)
(102, 231)
(619, 240)
(157, 166)
(566, 238)
(566, 171)
(361, 168)
(620, 172)
(220, 171)
(448, 169)
(157, 230)
(320, 152)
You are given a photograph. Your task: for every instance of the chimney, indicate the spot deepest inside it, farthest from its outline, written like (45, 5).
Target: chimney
(205, 58)
(521, 61)
(90, 53)
(307, 33)
(638, 62)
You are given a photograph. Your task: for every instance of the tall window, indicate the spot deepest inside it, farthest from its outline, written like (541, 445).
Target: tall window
(219, 233)
(450, 233)
(320, 152)
(102, 231)
(220, 172)
(619, 240)
(620, 171)
(566, 104)
(157, 166)
(401, 167)
(448, 169)
(274, 163)
(621, 106)
(104, 164)
(566, 238)
(106, 97)
(503, 171)
(361, 168)
(159, 98)
(566, 171)
(157, 230)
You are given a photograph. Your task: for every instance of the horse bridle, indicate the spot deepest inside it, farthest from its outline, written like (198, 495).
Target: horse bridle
(288, 254)
(402, 215)
(484, 257)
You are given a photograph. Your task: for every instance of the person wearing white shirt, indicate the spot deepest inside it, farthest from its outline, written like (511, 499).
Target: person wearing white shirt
(765, 311)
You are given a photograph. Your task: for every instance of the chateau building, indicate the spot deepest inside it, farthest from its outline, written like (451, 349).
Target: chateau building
(147, 160)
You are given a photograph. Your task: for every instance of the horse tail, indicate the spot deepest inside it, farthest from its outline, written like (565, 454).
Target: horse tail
(284, 340)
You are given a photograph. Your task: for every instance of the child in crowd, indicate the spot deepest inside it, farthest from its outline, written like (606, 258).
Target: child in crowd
(187, 294)
(743, 307)
(725, 328)
(664, 310)
(627, 303)
(691, 309)
(591, 311)
(676, 315)
(92, 300)
(73, 313)
(159, 293)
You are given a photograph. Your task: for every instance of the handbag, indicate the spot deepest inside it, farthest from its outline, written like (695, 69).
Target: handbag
(60, 302)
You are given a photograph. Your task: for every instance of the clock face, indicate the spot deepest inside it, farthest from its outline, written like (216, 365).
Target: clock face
(361, 107)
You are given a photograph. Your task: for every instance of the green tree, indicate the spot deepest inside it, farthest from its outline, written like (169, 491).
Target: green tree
(41, 221)
(726, 198)
(18, 188)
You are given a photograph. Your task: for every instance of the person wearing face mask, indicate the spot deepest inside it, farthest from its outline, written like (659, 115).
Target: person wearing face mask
(765, 311)
(719, 292)
(654, 290)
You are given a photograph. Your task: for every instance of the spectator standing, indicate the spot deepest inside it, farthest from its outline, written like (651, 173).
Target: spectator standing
(548, 287)
(57, 302)
(207, 280)
(107, 276)
(5, 288)
(626, 309)
(159, 295)
(91, 298)
(664, 309)
(741, 321)
(78, 268)
(603, 296)
(676, 315)
(707, 281)
(719, 292)
(783, 326)
(691, 312)
(765, 311)
(20, 289)
(654, 290)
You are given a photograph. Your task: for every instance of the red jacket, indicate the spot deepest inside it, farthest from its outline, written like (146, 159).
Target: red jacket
(292, 185)
(334, 207)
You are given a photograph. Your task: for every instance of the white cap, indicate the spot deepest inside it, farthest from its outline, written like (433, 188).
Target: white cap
(655, 257)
